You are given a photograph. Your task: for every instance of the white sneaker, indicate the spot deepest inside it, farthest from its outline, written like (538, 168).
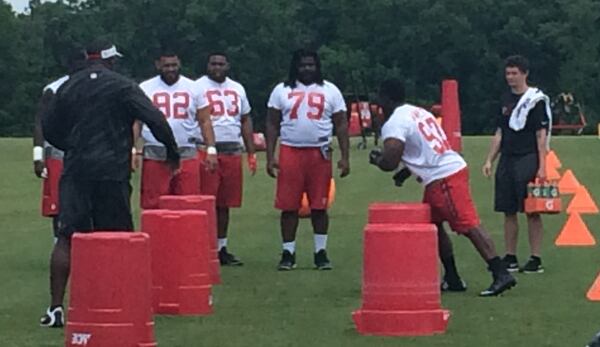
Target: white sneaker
(53, 318)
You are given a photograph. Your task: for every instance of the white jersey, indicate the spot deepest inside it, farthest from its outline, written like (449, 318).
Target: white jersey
(53, 87)
(179, 103)
(427, 152)
(307, 112)
(228, 103)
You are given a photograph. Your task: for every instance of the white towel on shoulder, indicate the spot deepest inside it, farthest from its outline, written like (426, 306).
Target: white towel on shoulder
(527, 102)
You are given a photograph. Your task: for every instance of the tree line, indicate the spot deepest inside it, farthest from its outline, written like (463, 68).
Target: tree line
(360, 43)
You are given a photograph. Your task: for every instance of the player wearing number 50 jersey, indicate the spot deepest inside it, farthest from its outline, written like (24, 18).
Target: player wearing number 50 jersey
(176, 97)
(302, 112)
(411, 135)
(230, 115)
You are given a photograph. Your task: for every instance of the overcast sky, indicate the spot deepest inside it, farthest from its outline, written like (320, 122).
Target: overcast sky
(19, 5)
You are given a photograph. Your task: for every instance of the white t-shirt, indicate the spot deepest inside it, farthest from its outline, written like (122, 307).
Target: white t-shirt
(427, 152)
(307, 112)
(228, 102)
(179, 103)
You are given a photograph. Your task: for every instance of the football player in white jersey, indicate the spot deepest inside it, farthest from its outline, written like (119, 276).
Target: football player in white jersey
(176, 97)
(47, 159)
(412, 136)
(230, 115)
(302, 111)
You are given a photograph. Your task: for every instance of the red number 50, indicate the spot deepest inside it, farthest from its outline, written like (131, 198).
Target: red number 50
(434, 135)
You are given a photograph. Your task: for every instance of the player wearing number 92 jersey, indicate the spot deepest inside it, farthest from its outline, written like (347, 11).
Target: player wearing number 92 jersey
(411, 135)
(176, 97)
(302, 111)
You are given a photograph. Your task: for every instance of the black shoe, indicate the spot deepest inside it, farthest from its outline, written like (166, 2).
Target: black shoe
(228, 259)
(321, 261)
(501, 283)
(533, 265)
(287, 262)
(595, 341)
(53, 318)
(511, 262)
(453, 286)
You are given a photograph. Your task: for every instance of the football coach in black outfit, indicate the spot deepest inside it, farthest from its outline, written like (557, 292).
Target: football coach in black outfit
(91, 119)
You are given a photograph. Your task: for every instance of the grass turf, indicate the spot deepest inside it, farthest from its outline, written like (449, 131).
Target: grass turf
(258, 306)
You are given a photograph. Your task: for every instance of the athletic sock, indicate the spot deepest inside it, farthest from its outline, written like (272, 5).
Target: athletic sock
(450, 271)
(496, 265)
(222, 243)
(290, 247)
(320, 242)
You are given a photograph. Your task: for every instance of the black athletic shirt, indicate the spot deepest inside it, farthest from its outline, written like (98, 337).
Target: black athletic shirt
(91, 119)
(523, 141)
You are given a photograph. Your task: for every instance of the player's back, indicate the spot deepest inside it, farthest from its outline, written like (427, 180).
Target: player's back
(427, 152)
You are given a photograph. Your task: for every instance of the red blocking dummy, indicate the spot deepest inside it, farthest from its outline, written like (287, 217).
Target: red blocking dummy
(393, 213)
(181, 283)
(110, 295)
(401, 284)
(205, 203)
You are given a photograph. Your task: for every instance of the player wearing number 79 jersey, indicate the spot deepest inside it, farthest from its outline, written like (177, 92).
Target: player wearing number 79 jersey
(411, 135)
(176, 97)
(302, 112)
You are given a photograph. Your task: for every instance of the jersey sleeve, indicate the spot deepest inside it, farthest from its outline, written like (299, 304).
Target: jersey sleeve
(338, 102)
(394, 128)
(275, 98)
(200, 96)
(246, 108)
(538, 116)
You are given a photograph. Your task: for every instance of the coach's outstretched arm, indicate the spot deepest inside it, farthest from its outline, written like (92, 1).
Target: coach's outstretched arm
(341, 131)
(141, 107)
(272, 132)
(493, 153)
(389, 158)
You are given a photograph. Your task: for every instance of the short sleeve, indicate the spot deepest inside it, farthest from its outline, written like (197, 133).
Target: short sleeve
(394, 128)
(275, 98)
(200, 96)
(538, 117)
(246, 108)
(338, 102)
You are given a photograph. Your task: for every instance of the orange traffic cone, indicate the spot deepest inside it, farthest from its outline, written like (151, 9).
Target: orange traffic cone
(593, 293)
(552, 160)
(551, 173)
(575, 233)
(582, 202)
(568, 183)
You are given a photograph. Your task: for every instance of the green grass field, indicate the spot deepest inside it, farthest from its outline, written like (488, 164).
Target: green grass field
(258, 306)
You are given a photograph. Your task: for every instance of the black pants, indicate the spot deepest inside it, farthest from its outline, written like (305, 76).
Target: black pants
(87, 206)
(512, 176)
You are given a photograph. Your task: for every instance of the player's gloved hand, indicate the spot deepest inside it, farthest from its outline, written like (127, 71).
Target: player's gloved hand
(375, 156)
(252, 163)
(401, 176)
(40, 169)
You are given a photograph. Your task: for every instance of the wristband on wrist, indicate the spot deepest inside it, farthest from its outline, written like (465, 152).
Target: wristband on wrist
(38, 153)
(211, 150)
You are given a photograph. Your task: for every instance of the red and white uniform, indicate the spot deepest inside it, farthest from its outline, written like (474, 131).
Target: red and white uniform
(444, 172)
(306, 128)
(179, 103)
(53, 161)
(228, 104)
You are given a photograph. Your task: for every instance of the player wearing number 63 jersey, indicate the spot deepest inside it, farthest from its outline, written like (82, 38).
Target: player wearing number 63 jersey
(183, 107)
(230, 115)
(302, 111)
(411, 135)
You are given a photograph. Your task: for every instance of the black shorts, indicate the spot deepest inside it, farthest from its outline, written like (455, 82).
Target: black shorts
(512, 176)
(88, 206)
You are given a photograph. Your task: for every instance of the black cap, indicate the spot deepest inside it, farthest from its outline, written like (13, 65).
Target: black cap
(101, 49)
